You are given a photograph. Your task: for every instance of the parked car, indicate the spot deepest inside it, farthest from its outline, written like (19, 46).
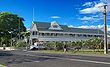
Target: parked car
(36, 47)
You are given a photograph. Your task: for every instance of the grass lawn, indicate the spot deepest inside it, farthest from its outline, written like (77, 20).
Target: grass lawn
(80, 52)
(2, 65)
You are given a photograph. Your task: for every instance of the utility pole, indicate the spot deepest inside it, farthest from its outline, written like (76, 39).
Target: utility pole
(105, 32)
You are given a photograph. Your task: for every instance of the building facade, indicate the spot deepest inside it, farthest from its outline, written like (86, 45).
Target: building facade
(43, 32)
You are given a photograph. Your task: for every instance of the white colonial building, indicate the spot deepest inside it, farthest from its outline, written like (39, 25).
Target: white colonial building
(42, 32)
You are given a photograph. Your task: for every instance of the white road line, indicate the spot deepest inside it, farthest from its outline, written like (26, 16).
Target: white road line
(36, 61)
(98, 62)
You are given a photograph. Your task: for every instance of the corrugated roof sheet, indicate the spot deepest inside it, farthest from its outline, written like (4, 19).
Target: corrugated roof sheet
(44, 26)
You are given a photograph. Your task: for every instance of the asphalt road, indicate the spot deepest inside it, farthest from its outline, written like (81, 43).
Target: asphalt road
(36, 59)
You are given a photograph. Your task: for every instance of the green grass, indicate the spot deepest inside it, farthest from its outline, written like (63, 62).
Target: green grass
(2, 65)
(81, 52)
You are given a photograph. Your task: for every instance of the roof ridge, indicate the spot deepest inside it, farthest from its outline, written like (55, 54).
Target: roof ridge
(82, 28)
(40, 22)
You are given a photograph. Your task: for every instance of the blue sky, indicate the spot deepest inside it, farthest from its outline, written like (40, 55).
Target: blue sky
(74, 13)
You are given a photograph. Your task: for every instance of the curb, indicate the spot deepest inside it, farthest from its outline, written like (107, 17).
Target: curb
(71, 54)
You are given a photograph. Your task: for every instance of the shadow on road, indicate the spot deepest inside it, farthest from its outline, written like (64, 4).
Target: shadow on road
(5, 53)
(7, 58)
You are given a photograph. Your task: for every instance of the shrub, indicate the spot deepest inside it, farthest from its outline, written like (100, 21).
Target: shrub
(19, 44)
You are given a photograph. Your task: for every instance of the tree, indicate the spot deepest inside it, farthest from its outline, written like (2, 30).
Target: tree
(3, 40)
(20, 44)
(49, 45)
(54, 45)
(10, 23)
(26, 34)
(26, 38)
(93, 43)
(58, 45)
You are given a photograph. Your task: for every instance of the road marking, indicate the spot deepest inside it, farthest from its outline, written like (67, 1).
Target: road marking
(36, 61)
(98, 62)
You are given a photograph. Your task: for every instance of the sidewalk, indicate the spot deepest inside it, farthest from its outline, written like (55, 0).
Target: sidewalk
(7, 48)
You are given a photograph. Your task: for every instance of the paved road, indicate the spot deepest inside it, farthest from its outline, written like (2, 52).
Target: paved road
(36, 59)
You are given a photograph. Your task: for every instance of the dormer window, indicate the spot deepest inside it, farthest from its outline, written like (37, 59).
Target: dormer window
(55, 26)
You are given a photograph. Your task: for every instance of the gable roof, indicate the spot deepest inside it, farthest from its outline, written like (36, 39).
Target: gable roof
(44, 26)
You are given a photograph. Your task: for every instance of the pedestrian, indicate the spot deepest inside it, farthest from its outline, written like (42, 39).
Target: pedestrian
(4, 46)
(65, 48)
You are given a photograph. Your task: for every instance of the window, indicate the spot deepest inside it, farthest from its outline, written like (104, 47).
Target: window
(55, 26)
(36, 32)
(85, 35)
(95, 35)
(89, 35)
(33, 33)
(70, 34)
(51, 34)
(73, 35)
(42, 34)
(79, 35)
(55, 34)
(47, 34)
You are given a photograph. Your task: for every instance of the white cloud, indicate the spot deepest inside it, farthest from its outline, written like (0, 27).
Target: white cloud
(86, 18)
(95, 16)
(108, 28)
(108, 3)
(70, 26)
(88, 27)
(100, 26)
(99, 4)
(92, 27)
(55, 17)
(92, 9)
(85, 22)
(92, 19)
(87, 4)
